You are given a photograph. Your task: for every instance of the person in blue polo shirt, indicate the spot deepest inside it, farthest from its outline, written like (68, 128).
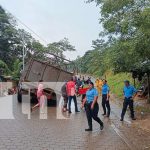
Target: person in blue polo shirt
(105, 98)
(92, 107)
(129, 93)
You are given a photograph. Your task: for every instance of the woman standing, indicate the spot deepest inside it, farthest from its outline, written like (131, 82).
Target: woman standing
(39, 96)
(92, 107)
(105, 98)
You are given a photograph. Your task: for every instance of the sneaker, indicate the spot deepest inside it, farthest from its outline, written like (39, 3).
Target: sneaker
(121, 119)
(70, 112)
(88, 129)
(133, 118)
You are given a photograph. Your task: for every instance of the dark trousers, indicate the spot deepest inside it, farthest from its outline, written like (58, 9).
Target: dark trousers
(105, 104)
(75, 102)
(127, 101)
(92, 113)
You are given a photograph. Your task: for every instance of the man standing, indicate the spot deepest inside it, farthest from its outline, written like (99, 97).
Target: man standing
(78, 84)
(65, 97)
(105, 98)
(129, 94)
(71, 94)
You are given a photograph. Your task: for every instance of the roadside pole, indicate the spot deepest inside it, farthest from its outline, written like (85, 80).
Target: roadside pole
(23, 56)
(23, 61)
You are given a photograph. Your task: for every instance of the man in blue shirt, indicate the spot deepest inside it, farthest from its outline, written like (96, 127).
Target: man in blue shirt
(129, 93)
(105, 98)
(92, 107)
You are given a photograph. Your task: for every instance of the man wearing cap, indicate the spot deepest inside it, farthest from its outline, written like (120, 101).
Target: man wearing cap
(64, 95)
(129, 94)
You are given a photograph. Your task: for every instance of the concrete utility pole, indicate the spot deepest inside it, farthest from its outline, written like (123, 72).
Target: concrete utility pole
(23, 50)
(23, 57)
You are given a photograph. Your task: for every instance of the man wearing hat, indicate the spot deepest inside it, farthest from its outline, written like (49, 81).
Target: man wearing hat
(129, 94)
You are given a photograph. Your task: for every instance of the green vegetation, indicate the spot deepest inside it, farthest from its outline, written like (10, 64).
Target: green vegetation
(124, 43)
(116, 82)
(12, 40)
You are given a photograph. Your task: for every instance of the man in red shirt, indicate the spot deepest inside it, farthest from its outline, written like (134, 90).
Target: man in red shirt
(70, 86)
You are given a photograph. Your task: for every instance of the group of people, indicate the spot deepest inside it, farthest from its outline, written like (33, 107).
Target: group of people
(90, 101)
(70, 90)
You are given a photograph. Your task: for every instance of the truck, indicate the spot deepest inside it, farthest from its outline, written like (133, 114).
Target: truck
(54, 71)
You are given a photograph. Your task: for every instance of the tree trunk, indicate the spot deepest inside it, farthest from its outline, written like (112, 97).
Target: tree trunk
(148, 81)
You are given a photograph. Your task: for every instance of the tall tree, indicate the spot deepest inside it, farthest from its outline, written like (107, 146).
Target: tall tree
(128, 22)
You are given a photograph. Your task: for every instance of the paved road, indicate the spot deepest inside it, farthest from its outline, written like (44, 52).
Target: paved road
(22, 133)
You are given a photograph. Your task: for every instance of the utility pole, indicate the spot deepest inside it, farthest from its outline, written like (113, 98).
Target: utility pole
(23, 50)
(23, 57)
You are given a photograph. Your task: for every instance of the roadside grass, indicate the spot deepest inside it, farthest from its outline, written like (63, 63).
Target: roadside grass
(144, 109)
(116, 82)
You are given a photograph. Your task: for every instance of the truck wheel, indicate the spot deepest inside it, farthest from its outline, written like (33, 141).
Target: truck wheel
(19, 97)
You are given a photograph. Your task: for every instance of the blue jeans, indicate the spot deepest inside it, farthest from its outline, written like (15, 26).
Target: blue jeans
(75, 102)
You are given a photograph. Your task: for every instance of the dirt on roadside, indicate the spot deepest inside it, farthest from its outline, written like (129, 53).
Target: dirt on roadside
(142, 111)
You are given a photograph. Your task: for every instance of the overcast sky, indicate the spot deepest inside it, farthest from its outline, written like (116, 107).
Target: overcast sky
(55, 19)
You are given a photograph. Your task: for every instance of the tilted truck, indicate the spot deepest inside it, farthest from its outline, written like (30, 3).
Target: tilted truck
(54, 72)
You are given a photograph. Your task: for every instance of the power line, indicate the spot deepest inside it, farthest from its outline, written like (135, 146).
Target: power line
(27, 27)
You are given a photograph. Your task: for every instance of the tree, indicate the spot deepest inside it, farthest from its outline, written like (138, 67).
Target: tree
(7, 37)
(4, 68)
(127, 23)
(60, 47)
(17, 66)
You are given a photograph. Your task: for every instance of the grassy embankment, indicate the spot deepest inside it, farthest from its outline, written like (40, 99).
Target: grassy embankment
(116, 82)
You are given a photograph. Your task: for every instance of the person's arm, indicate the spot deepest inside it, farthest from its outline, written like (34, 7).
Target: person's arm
(134, 92)
(124, 92)
(67, 90)
(108, 93)
(83, 103)
(94, 101)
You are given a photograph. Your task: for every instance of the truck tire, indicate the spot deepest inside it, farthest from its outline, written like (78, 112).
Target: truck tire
(19, 97)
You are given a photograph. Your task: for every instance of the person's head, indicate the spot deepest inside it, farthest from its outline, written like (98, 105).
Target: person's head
(91, 85)
(127, 82)
(65, 81)
(71, 79)
(104, 81)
